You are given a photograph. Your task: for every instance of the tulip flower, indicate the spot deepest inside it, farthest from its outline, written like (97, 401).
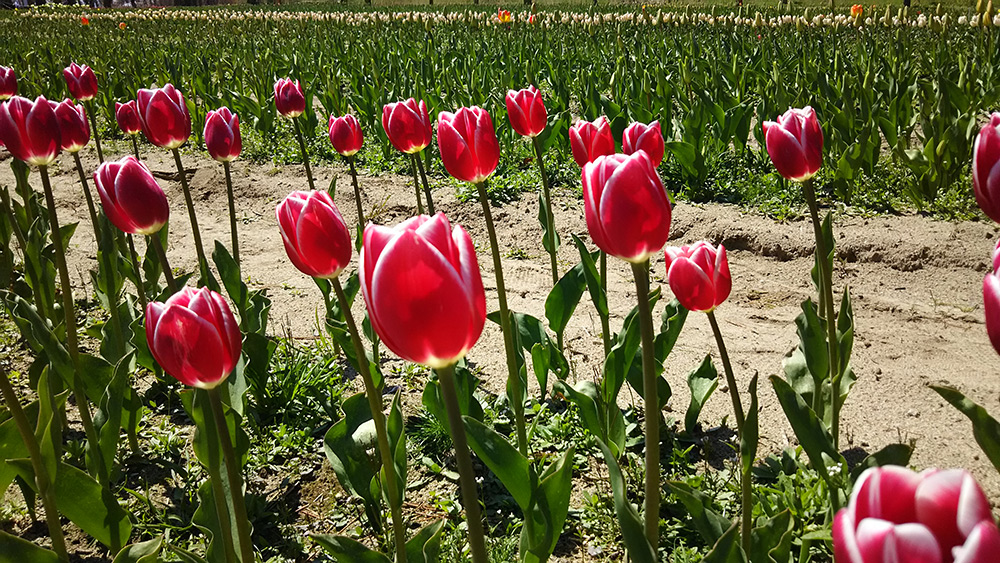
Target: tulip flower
(30, 130)
(407, 125)
(345, 135)
(526, 111)
(468, 144)
(288, 98)
(314, 233)
(81, 81)
(795, 144)
(8, 83)
(74, 132)
(590, 140)
(986, 168)
(131, 197)
(644, 137)
(164, 116)
(898, 516)
(222, 135)
(127, 116)
(698, 275)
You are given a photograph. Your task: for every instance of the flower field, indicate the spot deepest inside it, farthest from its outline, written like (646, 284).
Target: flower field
(455, 295)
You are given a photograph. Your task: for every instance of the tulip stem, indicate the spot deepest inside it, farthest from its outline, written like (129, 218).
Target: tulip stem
(357, 192)
(514, 382)
(42, 478)
(135, 147)
(466, 475)
(232, 212)
(416, 184)
(162, 255)
(745, 479)
(202, 260)
(305, 154)
(89, 197)
(378, 416)
(427, 188)
(548, 211)
(605, 321)
(93, 127)
(140, 288)
(234, 473)
(652, 406)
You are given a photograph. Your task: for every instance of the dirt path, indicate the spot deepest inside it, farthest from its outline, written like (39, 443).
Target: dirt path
(916, 285)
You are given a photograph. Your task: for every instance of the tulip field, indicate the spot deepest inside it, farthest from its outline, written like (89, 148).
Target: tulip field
(491, 285)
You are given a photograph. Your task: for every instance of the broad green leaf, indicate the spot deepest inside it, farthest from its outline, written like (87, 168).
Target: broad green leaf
(702, 381)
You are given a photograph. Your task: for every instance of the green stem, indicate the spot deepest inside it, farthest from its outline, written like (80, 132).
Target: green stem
(135, 146)
(605, 320)
(466, 476)
(232, 212)
(140, 289)
(652, 407)
(42, 480)
(90, 199)
(423, 178)
(548, 211)
(165, 266)
(416, 184)
(513, 378)
(305, 154)
(375, 404)
(199, 249)
(234, 472)
(93, 129)
(357, 192)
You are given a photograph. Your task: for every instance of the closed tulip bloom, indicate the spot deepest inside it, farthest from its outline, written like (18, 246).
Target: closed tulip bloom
(81, 81)
(314, 233)
(345, 134)
(130, 196)
(468, 144)
(986, 168)
(8, 83)
(164, 116)
(626, 206)
(74, 131)
(590, 140)
(423, 290)
(407, 125)
(127, 116)
(30, 130)
(795, 144)
(699, 275)
(194, 337)
(288, 98)
(526, 111)
(639, 136)
(222, 135)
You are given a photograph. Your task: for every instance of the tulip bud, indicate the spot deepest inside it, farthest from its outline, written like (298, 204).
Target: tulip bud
(345, 135)
(626, 206)
(407, 125)
(589, 140)
(74, 131)
(795, 144)
(288, 98)
(81, 81)
(468, 144)
(314, 233)
(986, 168)
(8, 83)
(698, 275)
(164, 116)
(526, 111)
(422, 287)
(222, 135)
(644, 137)
(127, 116)
(130, 196)
(194, 337)
(30, 130)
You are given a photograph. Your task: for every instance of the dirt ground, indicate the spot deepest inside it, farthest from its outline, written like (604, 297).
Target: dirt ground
(916, 284)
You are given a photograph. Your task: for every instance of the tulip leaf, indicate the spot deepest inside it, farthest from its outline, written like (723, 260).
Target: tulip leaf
(985, 428)
(702, 381)
(750, 439)
(346, 445)
(17, 550)
(425, 545)
(708, 522)
(727, 548)
(502, 458)
(633, 534)
(142, 552)
(810, 431)
(564, 297)
(347, 550)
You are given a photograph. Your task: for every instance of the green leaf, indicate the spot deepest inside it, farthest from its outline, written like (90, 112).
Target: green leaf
(751, 430)
(709, 523)
(347, 550)
(702, 381)
(985, 428)
(425, 545)
(502, 458)
(727, 549)
(143, 552)
(17, 550)
(633, 533)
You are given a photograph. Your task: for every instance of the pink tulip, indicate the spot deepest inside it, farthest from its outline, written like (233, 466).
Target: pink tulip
(8, 83)
(422, 286)
(194, 337)
(316, 238)
(590, 140)
(288, 98)
(130, 196)
(526, 111)
(74, 131)
(795, 144)
(81, 81)
(407, 125)
(164, 115)
(30, 130)
(626, 206)
(222, 135)
(127, 116)
(644, 137)
(986, 168)
(698, 275)
(468, 144)
(345, 135)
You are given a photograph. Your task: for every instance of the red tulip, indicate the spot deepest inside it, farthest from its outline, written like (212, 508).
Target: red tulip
(81, 81)
(316, 238)
(30, 130)
(8, 83)
(986, 168)
(795, 144)
(74, 131)
(164, 115)
(194, 337)
(699, 275)
(626, 206)
(345, 134)
(127, 116)
(130, 196)
(590, 140)
(407, 125)
(526, 111)
(288, 98)
(222, 135)
(423, 290)
(468, 144)
(644, 137)
(898, 516)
